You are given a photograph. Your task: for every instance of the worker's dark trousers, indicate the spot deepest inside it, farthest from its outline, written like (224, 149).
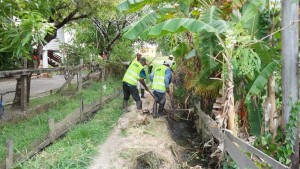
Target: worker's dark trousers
(133, 91)
(160, 99)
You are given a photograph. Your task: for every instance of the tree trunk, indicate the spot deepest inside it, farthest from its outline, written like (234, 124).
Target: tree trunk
(290, 66)
(271, 96)
(230, 99)
(18, 99)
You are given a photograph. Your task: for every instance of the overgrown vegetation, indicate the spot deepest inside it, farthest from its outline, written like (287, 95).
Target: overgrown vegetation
(77, 148)
(24, 132)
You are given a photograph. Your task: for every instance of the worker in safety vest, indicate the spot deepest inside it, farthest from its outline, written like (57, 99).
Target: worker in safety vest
(134, 74)
(139, 85)
(161, 78)
(138, 57)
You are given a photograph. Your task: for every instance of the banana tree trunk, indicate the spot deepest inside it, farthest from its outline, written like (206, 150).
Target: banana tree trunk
(230, 100)
(272, 99)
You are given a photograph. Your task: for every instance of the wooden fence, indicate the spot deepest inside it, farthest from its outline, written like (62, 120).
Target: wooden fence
(70, 71)
(56, 130)
(236, 147)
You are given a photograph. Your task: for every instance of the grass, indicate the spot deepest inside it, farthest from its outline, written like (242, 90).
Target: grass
(43, 100)
(78, 147)
(24, 132)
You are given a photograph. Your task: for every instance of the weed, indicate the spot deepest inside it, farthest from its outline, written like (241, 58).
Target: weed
(24, 132)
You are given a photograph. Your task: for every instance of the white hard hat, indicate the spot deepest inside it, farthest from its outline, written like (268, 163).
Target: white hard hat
(171, 56)
(168, 62)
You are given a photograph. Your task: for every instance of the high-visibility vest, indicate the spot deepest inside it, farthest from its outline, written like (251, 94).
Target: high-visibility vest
(174, 66)
(132, 74)
(159, 78)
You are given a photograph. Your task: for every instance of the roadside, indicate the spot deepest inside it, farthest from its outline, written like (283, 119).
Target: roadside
(39, 86)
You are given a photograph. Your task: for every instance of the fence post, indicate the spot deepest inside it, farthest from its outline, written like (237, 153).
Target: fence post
(52, 129)
(103, 74)
(81, 110)
(80, 76)
(9, 157)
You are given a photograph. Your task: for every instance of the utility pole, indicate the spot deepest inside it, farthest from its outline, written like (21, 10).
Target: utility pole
(289, 38)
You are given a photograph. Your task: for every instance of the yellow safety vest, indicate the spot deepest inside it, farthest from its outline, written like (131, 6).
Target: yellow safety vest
(132, 74)
(159, 78)
(174, 65)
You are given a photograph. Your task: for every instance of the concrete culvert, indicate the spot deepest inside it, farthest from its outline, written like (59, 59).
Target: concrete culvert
(147, 160)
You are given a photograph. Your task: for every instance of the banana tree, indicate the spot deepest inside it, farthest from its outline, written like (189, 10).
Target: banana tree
(210, 24)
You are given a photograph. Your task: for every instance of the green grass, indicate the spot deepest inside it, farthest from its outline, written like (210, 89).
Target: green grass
(24, 132)
(43, 100)
(79, 146)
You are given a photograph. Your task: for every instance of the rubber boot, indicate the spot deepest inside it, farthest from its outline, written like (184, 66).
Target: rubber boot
(143, 93)
(139, 105)
(154, 113)
(125, 106)
(160, 111)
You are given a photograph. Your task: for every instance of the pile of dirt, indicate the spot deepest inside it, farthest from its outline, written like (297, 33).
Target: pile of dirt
(139, 141)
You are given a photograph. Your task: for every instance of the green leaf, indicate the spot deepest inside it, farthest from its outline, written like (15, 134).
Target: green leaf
(269, 138)
(178, 25)
(254, 117)
(141, 25)
(288, 161)
(27, 39)
(191, 54)
(264, 141)
(272, 147)
(212, 14)
(261, 80)
(281, 159)
(130, 5)
(180, 50)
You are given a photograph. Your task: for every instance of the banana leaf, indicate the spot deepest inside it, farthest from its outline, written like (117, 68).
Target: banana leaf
(261, 80)
(254, 110)
(146, 22)
(178, 25)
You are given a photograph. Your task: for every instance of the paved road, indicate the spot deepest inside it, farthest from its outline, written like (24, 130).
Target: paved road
(38, 86)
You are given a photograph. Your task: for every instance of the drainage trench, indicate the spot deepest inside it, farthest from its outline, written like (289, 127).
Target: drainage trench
(184, 133)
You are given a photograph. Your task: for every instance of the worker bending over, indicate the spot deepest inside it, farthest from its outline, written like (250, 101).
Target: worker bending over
(134, 73)
(161, 78)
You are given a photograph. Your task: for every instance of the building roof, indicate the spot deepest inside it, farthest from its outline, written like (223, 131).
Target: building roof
(53, 45)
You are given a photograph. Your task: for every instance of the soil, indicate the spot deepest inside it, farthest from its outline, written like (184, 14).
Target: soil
(139, 141)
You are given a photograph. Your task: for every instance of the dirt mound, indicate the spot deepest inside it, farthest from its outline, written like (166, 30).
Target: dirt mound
(138, 141)
(148, 160)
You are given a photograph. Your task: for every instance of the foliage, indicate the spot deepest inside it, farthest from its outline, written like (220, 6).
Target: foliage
(179, 94)
(76, 52)
(244, 59)
(38, 125)
(281, 147)
(145, 22)
(77, 148)
(22, 25)
(261, 80)
(122, 51)
(185, 24)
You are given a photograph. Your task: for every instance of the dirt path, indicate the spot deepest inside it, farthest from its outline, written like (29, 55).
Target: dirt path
(138, 141)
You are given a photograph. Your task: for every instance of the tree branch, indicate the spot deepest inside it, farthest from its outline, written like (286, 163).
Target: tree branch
(67, 19)
(79, 17)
